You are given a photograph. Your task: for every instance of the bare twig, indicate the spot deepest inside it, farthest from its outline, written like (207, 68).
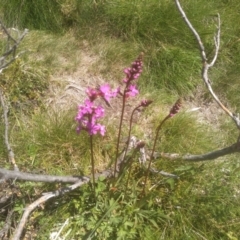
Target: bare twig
(8, 174)
(216, 41)
(17, 175)
(6, 32)
(5, 65)
(207, 65)
(234, 148)
(9, 54)
(11, 51)
(8, 146)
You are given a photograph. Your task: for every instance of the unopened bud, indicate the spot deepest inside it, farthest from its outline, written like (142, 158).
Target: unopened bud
(176, 107)
(145, 103)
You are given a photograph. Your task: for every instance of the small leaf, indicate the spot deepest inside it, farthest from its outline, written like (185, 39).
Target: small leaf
(171, 183)
(153, 223)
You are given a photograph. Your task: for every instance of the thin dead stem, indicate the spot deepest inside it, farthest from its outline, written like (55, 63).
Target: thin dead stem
(6, 135)
(9, 56)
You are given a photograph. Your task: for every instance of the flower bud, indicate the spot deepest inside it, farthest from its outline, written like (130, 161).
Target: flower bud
(176, 107)
(145, 103)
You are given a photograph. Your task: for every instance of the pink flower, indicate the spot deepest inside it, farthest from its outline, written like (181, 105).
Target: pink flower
(131, 91)
(116, 92)
(93, 128)
(98, 112)
(105, 92)
(92, 93)
(87, 116)
(88, 113)
(99, 128)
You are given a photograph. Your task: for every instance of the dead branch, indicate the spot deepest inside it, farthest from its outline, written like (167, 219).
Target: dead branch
(203, 157)
(206, 66)
(143, 161)
(5, 60)
(18, 175)
(8, 146)
(7, 33)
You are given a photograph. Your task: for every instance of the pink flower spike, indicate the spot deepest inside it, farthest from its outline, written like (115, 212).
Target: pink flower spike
(134, 71)
(176, 107)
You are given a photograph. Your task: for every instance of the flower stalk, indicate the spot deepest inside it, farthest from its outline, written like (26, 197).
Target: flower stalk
(173, 111)
(92, 162)
(132, 73)
(89, 114)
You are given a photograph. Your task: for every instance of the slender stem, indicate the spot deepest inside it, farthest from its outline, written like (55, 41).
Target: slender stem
(129, 135)
(153, 150)
(128, 177)
(92, 162)
(120, 129)
(129, 132)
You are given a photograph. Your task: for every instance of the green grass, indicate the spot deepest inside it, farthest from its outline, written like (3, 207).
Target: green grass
(44, 15)
(56, 53)
(24, 85)
(204, 202)
(149, 26)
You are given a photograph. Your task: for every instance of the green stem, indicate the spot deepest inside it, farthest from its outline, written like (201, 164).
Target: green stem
(129, 135)
(92, 162)
(130, 129)
(153, 150)
(130, 169)
(119, 130)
